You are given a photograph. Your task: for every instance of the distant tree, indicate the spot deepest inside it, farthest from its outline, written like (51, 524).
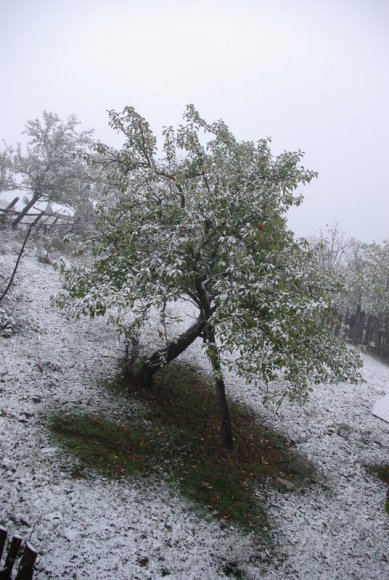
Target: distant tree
(330, 247)
(205, 222)
(51, 167)
(6, 180)
(367, 277)
(362, 270)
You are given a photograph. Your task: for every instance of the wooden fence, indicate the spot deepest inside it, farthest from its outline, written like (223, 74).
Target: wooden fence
(25, 562)
(42, 219)
(370, 330)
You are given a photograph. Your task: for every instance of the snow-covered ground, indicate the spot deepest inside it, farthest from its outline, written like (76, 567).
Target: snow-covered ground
(98, 528)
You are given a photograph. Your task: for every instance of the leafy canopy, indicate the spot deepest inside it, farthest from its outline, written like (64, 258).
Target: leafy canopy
(368, 277)
(362, 268)
(206, 217)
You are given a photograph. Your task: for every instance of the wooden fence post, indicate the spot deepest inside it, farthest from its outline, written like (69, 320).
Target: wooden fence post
(27, 561)
(13, 550)
(20, 256)
(26, 565)
(3, 537)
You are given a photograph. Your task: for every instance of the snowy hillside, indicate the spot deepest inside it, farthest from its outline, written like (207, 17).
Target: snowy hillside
(95, 527)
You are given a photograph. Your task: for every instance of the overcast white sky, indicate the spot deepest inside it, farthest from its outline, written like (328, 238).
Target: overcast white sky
(311, 74)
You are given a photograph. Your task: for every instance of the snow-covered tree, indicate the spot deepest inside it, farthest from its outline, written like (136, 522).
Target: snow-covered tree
(204, 220)
(6, 180)
(367, 277)
(331, 247)
(51, 166)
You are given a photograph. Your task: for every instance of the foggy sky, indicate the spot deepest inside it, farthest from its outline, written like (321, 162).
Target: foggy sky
(312, 75)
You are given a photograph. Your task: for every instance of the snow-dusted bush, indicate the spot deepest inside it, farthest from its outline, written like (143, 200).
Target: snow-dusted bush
(7, 324)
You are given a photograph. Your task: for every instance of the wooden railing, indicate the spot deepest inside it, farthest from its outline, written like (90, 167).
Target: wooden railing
(47, 219)
(370, 330)
(23, 556)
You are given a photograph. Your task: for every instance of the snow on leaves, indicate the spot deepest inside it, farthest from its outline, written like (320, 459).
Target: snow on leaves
(205, 221)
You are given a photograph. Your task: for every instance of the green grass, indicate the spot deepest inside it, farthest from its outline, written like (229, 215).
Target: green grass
(177, 438)
(380, 469)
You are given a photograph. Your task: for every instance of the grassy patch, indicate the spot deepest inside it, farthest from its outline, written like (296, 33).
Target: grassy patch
(177, 438)
(109, 447)
(380, 469)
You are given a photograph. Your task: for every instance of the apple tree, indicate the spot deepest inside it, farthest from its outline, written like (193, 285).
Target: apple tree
(203, 218)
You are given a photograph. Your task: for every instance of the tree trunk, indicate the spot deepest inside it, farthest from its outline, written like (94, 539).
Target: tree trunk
(225, 425)
(169, 352)
(25, 210)
(176, 347)
(20, 256)
(366, 340)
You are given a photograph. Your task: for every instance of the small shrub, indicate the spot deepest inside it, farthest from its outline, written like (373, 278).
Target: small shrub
(7, 324)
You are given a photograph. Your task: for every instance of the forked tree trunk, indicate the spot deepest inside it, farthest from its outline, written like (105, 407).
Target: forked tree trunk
(169, 353)
(164, 355)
